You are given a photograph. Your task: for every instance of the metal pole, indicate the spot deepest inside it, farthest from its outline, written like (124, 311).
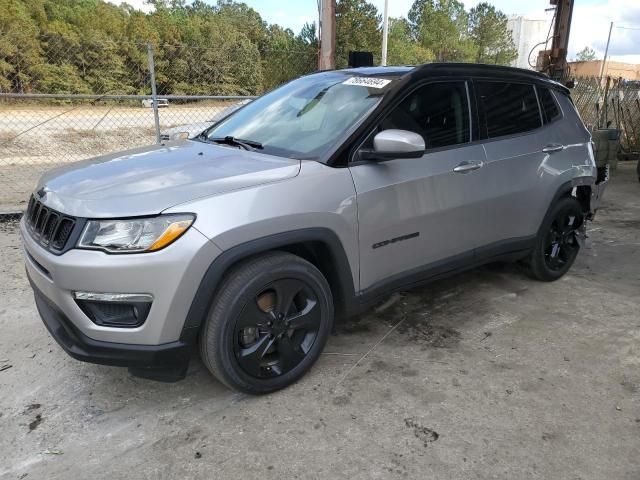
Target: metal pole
(154, 95)
(385, 33)
(606, 52)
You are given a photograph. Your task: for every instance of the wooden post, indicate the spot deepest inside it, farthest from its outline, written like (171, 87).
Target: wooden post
(327, 58)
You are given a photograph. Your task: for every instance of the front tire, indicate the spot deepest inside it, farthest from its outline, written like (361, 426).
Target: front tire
(556, 244)
(267, 324)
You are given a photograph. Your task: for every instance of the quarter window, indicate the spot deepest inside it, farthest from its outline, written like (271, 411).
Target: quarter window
(549, 106)
(509, 108)
(439, 112)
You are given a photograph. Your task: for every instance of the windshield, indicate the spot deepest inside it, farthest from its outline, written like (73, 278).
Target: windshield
(305, 118)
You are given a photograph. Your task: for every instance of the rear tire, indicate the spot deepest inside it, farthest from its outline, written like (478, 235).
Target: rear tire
(556, 246)
(267, 324)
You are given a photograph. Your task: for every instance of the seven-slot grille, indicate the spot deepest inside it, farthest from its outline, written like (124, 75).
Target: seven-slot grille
(52, 229)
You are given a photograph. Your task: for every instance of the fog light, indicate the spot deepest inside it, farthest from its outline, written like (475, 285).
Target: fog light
(124, 310)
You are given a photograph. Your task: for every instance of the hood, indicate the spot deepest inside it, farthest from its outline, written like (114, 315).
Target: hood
(148, 180)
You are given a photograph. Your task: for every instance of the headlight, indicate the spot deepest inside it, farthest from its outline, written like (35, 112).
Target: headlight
(134, 235)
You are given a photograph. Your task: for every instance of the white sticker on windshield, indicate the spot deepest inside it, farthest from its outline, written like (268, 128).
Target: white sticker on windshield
(367, 82)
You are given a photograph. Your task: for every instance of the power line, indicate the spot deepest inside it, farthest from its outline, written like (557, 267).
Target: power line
(627, 28)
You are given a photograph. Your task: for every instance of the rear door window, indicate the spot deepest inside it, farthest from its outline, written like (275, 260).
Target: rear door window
(550, 108)
(508, 108)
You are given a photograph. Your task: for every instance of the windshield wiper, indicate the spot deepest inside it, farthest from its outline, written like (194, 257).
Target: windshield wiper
(229, 140)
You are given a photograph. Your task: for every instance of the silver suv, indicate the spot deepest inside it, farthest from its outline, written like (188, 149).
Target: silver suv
(307, 204)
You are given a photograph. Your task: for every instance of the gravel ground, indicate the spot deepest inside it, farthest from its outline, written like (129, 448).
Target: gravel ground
(485, 375)
(34, 140)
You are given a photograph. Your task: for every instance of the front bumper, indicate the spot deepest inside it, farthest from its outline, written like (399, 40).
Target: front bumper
(171, 276)
(168, 362)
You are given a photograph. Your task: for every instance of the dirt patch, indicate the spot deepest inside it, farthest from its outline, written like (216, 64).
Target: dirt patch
(435, 336)
(342, 400)
(633, 223)
(9, 226)
(403, 370)
(425, 434)
(352, 326)
(424, 316)
(37, 421)
(58, 148)
(630, 386)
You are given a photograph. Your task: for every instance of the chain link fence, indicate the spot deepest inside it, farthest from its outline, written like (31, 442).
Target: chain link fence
(612, 103)
(69, 103)
(72, 103)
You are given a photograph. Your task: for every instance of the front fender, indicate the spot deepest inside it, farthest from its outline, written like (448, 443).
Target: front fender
(221, 265)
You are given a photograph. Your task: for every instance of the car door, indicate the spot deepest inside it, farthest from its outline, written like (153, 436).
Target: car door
(421, 212)
(515, 145)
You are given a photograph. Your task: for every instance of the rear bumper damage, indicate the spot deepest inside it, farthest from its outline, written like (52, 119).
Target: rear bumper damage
(591, 199)
(597, 190)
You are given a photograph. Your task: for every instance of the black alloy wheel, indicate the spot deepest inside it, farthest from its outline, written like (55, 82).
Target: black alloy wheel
(277, 328)
(561, 242)
(268, 323)
(557, 246)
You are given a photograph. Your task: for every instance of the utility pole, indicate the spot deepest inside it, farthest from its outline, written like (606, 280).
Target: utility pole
(606, 53)
(385, 33)
(554, 60)
(327, 58)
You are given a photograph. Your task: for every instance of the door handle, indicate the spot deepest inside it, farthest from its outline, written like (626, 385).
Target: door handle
(554, 147)
(466, 167)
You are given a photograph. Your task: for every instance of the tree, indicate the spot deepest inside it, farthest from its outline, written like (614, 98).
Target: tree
(492, 40)
(357, 28)
(244, 19)
(308, 34)
(402, 50)
(586, 55)
(222, 47)
(309, 44)
(442, 27)
(288, 56)
(21, 57)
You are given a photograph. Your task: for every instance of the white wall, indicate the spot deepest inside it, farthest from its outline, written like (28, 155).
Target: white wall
(527, 32)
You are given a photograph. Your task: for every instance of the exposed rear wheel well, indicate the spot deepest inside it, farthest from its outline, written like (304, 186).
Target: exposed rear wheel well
(583, 195)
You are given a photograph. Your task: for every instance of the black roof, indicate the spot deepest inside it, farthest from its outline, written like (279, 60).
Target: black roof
(449, 69)
(396, 71)
(392, 70)
(481, 68)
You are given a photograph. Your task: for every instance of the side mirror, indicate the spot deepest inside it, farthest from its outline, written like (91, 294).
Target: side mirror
(392, 144)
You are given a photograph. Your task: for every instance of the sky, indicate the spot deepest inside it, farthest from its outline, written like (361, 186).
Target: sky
(590, 25)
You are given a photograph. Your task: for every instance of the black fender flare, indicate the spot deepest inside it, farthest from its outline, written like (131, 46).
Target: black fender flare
(583, 192)
(565, 189)
(342, 278)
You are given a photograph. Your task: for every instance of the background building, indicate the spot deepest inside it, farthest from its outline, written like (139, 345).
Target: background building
(628, 71)
(527, 32)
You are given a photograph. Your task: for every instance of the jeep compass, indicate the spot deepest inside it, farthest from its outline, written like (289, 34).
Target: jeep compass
(304, 205)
